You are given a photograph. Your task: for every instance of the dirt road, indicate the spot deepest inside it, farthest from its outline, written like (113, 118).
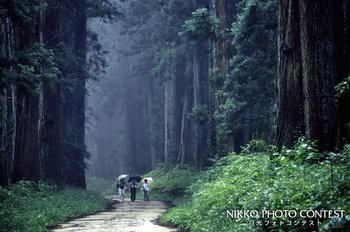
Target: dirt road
(123, 217)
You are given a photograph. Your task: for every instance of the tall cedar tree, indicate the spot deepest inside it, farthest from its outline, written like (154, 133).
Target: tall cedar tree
(26, 155)
(73, 112)
(313, 55)
(50, 134)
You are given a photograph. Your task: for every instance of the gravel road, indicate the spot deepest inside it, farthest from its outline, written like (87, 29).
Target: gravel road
(126, 216)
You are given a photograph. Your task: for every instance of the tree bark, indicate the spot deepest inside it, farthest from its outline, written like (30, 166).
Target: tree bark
(50, 120)
(319, 72)
(26, 159)
(220, 61)
(341, 22)
(200, 98)
(290, 99)
(11, 126)
(169, 120)
(185, 132)
(73, 112)
(196, 103)
(4, 180)
(152, 122)
(26, 164)
(3, 113)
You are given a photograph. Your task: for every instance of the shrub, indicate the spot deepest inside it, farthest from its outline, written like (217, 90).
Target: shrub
(171, 182)
(101, 186)
(30, 207)
(260, 180)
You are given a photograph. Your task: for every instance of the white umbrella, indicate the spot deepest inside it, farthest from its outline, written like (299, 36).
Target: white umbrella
(149, 180)
(122, 177)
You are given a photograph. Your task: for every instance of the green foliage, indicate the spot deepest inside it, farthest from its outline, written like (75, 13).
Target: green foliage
(170, 183)
(103, 9)
(24, 12)
(302, 152)
(30, 66)
(226, 116)
(29, 207)
(343, 88)
(199, 114)
(96, 57)
(166, 60)
(202, 25)
(77, 66)
(256, 146)
(217, 81)
(100, 185)
(247, 91)
(260, 181)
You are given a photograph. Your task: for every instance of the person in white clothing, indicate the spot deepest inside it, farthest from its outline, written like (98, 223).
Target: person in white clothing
(121, 189)
(146, 189)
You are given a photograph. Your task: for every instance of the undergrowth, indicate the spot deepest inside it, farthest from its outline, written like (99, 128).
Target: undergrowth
(101, 186)
(262, 178)
(171, 183)
(26, 206)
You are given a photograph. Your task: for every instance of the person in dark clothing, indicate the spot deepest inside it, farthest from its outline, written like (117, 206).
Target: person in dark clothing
(133, 189)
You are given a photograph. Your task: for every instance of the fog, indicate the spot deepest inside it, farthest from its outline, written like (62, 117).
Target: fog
(115, 133)
(106, 135)
(172, 92)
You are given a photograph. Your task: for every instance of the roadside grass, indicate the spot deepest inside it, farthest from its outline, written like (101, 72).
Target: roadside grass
(262, 178)
(26, 206)
(171, 183)
(101, 186)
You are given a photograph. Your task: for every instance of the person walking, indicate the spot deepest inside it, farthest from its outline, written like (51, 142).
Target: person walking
(146, 190)
(121, 189)
(133, 189)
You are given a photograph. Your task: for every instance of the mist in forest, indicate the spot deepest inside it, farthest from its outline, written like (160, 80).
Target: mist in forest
(223, 105)
(118, 130)
(109, 107)
(111, 87)
(161, 99)
(190, 81)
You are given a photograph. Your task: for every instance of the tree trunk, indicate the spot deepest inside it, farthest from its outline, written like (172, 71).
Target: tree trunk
(220, 61)
(341, 22)
(50, 121)
(11, 126)
(3, 139)
(290, 100)
(3, 112)
(200, 98)
(26, 160)
(220, 10)
(73, 107)
(196, 103)
(185, 127)
(319, 71)
(152, 122)
(7, 107)
(169, 120)
(26, 154)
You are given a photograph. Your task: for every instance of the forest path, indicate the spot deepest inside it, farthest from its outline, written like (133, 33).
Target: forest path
(123, 217)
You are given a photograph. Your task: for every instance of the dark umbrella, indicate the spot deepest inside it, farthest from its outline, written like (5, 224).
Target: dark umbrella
(136, 178)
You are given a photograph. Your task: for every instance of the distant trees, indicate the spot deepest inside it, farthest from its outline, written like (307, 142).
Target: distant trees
(207, 88)
(197, 81)
(181, 69)
(215, 62)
